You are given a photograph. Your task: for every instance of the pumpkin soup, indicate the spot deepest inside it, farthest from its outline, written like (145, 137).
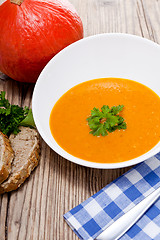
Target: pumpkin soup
(141, 113)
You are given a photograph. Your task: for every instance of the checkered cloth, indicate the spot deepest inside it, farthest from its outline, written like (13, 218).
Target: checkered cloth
(94, 215)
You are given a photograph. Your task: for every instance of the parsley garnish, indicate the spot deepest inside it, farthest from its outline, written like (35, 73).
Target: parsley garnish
(13, 116)
(106, 121)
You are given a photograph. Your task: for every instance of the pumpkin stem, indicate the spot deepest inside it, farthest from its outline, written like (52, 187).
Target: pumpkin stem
(17, 2)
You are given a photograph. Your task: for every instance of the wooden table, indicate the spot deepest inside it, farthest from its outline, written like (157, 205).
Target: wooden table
(36, 210)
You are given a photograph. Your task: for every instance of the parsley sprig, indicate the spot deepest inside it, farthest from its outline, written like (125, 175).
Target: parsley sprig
(13, 116)
(106, 121)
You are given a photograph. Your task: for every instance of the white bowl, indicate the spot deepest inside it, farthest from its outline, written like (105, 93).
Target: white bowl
(100, 56)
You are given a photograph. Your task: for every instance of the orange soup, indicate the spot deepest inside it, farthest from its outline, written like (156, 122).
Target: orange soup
(141, 113)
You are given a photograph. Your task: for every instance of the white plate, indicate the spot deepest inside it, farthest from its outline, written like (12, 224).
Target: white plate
(100, 56)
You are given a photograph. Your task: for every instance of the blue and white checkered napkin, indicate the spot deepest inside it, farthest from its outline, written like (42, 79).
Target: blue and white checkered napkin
(91, 217)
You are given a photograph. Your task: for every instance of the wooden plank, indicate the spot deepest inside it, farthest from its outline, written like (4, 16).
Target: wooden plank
(3, 215)
(36, 210)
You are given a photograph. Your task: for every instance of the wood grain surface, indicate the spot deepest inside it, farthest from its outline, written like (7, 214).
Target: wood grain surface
(35, 211)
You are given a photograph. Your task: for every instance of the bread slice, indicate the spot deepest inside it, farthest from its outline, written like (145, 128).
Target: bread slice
(6, 157)
(27, 151)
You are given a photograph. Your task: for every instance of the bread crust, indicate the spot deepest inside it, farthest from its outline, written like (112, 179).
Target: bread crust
(7, 156)
(15, 179)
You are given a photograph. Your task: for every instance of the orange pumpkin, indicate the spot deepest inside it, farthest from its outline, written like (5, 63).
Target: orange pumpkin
(32, 32)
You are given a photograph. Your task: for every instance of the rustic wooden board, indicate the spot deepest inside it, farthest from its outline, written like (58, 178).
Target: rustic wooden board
(35, 211)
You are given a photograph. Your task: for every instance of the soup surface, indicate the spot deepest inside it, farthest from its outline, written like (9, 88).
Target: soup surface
(141, 113)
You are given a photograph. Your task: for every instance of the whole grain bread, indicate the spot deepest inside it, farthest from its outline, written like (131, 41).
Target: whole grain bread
(6, 157)
(26, 147)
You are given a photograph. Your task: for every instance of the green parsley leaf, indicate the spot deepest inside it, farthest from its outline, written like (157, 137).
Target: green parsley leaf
(106, 121)
(117, 109)
(12, 116)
